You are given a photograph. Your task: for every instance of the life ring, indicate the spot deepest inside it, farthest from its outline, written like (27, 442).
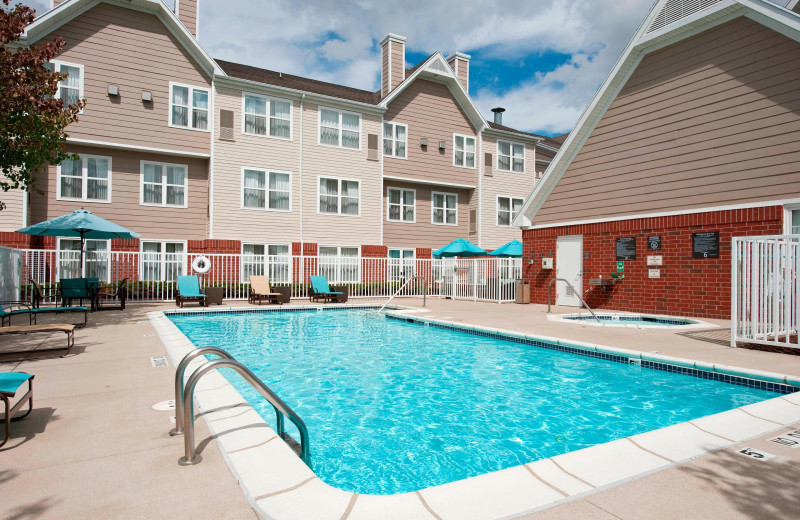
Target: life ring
(201, 264)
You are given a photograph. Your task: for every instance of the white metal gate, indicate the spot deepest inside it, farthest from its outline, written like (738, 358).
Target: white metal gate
(765, 307)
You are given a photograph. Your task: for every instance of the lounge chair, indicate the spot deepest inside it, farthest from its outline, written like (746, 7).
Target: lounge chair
(9, 384)
(66, 328)
(320, 290)
(260, 290)
(189, 290)
(41, 294)
(76, 289)
(9, 309)
(120, 295)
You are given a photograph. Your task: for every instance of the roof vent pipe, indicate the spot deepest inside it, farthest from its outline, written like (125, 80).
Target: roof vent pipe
(498, 115)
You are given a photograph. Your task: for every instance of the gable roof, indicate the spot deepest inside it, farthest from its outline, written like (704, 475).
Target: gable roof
(668, 22)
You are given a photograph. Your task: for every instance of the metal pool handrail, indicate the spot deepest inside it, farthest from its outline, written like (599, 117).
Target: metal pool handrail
(180, 371)
(424, 293)
(550, 291)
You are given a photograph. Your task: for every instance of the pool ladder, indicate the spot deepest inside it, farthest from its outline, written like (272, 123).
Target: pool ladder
(184, 402)
(550, 291)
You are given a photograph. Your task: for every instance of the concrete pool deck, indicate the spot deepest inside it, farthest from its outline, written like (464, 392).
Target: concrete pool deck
(94, 447)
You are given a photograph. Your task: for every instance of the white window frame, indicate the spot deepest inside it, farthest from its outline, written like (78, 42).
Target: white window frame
(338, 195)
(395, 265)
(511, 210)
(511, 145)
(80, 275)
(191, 108)
(162, 260)
(433, 208)
(319, 128)
(267, 191)
(394, 140)
(266, 261)
(268, 100)
(402, 205)
(788, 209)
(163, 204)
(338, 278)
(84, 180)
(474, 152)
(57, 68)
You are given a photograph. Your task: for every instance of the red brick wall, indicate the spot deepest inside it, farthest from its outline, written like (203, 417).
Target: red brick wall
(687, 286)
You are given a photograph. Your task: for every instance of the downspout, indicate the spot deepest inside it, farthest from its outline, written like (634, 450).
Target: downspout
(383, 188)
(210, 230)
(300, 167)
(479, 212)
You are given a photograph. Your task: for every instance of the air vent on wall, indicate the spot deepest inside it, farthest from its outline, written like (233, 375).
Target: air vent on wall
(226, 125)
(372, 147)
(487, 165)
(675, 10)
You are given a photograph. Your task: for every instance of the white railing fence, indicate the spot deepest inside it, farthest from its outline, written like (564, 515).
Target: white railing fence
(150, 277)
(765, 307)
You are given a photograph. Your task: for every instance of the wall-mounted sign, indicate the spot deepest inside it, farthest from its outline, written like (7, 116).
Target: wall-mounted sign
(620, 266)
(654, 243)
(654, 260)
(586, 255)
(654, 273)
(705, 245)
(626, 248)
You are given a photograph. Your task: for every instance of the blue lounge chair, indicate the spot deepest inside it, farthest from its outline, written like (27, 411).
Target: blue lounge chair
(9, 309)
(189, 290)
(9, 384)
(78, 289)
(320, 290)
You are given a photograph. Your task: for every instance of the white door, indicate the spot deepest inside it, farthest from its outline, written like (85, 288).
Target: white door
(569, 266)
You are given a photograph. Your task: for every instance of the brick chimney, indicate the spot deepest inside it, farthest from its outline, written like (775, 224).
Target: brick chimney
(393, 62)
(187, 14)
(459, 62)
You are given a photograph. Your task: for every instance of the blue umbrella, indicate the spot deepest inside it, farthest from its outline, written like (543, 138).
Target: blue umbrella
(80, 223)
(511, 250)
(460, 247)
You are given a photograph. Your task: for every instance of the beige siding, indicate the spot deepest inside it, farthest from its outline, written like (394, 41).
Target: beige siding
(187, 13)
(424, 233)
(430, 111)
(506, 184)
(13, 216)
(125, 209)
(135, 51)
(257, 152)
(328, 161)
(385, 69)
(709, 121)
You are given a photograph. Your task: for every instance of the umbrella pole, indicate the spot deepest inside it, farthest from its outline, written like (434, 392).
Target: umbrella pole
(83, 246)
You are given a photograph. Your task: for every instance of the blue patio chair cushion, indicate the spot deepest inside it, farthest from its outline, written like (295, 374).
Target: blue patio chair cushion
(11, 381)
(189, 287)
(320, 285)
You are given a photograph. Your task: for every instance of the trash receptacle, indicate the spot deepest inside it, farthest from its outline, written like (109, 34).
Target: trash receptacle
(523, 291)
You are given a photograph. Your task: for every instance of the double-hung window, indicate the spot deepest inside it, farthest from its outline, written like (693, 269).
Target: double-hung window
(401, 264)
(402, 204)
(339, 264)
(272, 260)
(507, 209)
(164, 184)
(510, 157)
(96, 259)
(463, 151)
(188, 107)
(444, 208)
(263, 189)
(267, 116)
(395, 139)
(87, 178)
(339, 196)
(338, 128)
(70, 89)
(162, 261)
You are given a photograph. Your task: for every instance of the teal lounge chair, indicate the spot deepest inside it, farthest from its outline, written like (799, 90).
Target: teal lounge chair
(77, 289)
(9, 309)
(9, 384)
(320, 290)
(189, 290)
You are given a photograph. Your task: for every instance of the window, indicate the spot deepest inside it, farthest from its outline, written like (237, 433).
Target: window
(70, 89)
(164, 184)
(395, 139)
(339, 196)
(258, 110)
(339, 264)
(401, 205)
(507, 209)
(510, 157)
(794, 222)
(87, 178)
(257, 192)
(188, 107)
(463, 151)
(401, 264)
(162, 261)
(95, 262)
(444, 208)
(338, 128)
(272, 260)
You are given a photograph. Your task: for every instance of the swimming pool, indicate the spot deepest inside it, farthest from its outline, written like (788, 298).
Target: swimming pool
(394, 406)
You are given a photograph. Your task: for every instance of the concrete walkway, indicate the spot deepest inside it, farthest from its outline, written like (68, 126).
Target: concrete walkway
(94, 447)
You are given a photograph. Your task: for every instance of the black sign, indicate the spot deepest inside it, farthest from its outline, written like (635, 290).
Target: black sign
(705, 245)
(626, 248)
(654, 243)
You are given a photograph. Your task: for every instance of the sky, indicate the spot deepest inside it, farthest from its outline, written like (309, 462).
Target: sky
(541, 60)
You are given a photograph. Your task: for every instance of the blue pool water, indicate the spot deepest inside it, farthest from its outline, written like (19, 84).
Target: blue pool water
(393, 406)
